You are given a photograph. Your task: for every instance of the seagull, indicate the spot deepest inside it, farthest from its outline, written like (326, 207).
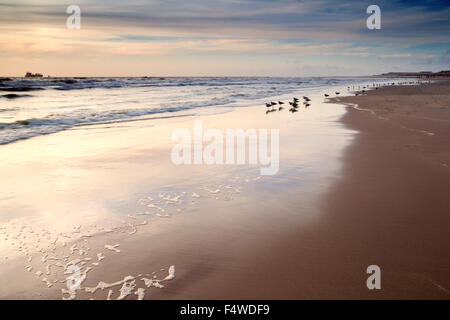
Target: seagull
(295, 100)
(268, 105)
(337, 93)
(327, 95)
(307, 105)
(280, 102)
(273, 103)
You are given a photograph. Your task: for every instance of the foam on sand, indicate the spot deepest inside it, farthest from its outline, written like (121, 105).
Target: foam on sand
(112, 247)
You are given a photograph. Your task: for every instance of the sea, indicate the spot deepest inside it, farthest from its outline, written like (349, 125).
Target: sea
(34, 107)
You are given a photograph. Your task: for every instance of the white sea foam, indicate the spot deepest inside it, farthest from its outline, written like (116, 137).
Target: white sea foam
(113, 100)
(112, 247)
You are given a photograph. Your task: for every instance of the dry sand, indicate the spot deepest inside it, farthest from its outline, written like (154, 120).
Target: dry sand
(393, 206)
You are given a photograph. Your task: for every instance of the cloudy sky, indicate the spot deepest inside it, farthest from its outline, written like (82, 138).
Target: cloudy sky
(222, 37)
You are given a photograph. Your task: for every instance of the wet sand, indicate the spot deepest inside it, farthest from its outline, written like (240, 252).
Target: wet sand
(308, 233)
(102, 185)
(389, 208)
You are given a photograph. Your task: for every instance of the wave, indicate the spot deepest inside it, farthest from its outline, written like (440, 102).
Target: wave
(55, 107)
(20, 89)
(14, 96)
(27, 128)
(80, 83)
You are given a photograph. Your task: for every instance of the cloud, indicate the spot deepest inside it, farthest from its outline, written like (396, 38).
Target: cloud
(228, 29)
(396, 55)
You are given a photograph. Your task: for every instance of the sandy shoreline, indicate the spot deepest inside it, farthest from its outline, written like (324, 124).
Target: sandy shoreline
(308, 233)
(392, 207)
(102, 178)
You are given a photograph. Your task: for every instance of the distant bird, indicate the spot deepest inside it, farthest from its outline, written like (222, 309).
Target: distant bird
(295, 100)
(280, 108)
(273, 103)
(268, 111)
(307, 105)
(268, 105)
(280, 102)
(327, 95)
(337, 93)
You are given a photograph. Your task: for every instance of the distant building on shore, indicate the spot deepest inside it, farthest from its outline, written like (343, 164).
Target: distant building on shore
(33, 75)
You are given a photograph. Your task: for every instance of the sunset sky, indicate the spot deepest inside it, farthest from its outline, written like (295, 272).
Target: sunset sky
(222, 38)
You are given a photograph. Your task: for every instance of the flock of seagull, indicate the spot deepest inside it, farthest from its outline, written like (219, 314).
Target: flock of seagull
(358, 90)
(294, 104)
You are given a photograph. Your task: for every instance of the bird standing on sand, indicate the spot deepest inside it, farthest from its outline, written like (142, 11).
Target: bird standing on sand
(326, 95)
(280, 103)
(337, 93)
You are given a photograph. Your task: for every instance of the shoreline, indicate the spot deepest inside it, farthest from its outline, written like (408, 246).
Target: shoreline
(308, 233)
(104, 175)
(394, 194)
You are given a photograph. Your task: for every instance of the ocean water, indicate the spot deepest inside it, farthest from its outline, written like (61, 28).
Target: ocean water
(33, 107)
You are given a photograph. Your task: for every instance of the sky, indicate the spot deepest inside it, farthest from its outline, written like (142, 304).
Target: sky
(223, 38)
